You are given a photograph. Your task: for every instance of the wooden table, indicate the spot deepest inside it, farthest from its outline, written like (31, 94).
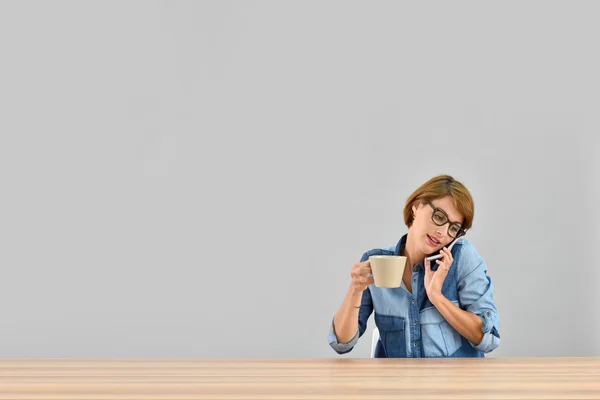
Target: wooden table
(328, 378)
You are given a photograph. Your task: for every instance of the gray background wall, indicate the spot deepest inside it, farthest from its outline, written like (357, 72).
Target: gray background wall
(195, 179)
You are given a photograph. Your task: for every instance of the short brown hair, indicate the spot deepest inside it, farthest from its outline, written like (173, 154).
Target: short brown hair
(438, 187)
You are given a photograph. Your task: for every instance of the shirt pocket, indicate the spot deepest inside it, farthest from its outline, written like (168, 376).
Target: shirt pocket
(392, 334)
(439, 338)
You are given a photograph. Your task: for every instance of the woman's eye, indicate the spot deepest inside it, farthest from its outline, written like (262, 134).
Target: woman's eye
(438, 217)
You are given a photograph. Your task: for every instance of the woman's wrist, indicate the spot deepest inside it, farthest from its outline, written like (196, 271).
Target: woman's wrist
(435, 298)
(355, 297)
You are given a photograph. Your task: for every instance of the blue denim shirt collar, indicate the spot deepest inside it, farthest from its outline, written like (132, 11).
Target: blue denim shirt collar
(400, 251)
(401, 245)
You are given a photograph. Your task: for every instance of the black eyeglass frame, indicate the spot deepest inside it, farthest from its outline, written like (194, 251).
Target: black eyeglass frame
(460, 231)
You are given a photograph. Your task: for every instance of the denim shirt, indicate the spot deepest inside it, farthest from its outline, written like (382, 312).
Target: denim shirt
(410, 326)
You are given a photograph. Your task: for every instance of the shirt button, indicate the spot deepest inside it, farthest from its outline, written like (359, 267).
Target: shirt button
(414, 322)
(413, 301)
(415, 280)
(415, 343)
(488, 314)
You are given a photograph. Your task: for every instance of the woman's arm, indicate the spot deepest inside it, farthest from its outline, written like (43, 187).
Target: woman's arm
(345, 321)
(466, 323)
(478, 322)
(478, 318)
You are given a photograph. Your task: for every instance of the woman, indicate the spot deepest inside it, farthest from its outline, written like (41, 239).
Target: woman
(443, 308)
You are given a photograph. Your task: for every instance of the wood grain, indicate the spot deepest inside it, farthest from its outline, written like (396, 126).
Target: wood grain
(335, 378)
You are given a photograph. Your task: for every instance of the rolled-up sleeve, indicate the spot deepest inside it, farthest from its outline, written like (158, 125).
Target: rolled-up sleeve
(341, 348)
(476, 295)
(366, 308)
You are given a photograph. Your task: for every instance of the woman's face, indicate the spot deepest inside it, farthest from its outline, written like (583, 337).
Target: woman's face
(430, 237)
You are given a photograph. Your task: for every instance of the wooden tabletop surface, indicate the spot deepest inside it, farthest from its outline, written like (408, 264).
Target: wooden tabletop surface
(281, 379)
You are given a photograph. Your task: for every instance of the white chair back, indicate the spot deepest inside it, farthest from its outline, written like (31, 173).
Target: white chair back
(374, 341)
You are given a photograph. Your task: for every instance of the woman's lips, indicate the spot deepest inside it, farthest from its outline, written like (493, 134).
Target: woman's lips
(432, 242)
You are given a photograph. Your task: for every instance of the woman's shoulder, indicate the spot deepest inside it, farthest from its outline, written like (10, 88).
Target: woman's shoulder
(466, 256)
(464, 247)
(381, 251)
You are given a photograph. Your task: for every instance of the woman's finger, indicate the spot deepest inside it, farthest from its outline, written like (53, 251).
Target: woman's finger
(365, 270)
(442, 265)
(450, 258)
(365, 281)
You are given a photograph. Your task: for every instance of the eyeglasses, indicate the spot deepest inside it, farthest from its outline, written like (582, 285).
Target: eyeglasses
(440, 218)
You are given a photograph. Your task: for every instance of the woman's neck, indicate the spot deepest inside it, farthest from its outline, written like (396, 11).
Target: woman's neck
(410, 251)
